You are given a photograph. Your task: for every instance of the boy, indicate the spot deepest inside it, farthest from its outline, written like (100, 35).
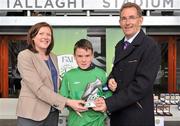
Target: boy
(84, 82)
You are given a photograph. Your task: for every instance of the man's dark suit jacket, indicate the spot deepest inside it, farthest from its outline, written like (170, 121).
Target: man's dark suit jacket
(134, 70)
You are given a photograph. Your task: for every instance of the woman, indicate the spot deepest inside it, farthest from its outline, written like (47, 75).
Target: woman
(39, 101)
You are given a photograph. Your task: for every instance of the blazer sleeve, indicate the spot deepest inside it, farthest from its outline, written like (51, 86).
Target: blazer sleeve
(32, 80)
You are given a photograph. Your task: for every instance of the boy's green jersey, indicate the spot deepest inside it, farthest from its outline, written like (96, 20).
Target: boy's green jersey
(74, 84)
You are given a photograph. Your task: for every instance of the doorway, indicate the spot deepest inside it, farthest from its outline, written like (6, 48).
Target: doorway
(10, 46)
(166, 78)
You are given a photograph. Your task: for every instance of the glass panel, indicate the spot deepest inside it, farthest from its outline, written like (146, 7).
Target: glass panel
(161, 82)
(14, 47)
(97, 37)
(65, 38)
(178, 65)
(113, 36)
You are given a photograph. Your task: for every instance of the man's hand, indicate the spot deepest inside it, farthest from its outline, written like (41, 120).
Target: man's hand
(76, 105)
(112, 84)
(100, 105)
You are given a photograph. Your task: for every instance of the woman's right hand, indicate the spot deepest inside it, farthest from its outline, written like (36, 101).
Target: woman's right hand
(76, 105)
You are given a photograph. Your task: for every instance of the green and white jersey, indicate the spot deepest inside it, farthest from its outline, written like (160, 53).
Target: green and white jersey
(74, 84)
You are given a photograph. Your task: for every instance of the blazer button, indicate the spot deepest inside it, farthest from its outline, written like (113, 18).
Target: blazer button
(121, 70)
(55, 106)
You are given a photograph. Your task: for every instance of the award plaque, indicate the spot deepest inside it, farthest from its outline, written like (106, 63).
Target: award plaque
(91, 93)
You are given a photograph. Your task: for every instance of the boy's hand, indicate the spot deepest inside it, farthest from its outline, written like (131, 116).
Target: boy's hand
(112, 84)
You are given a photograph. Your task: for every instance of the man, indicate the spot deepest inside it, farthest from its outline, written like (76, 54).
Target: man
(132, 76)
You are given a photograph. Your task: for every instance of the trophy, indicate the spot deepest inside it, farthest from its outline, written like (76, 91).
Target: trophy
(91, 93)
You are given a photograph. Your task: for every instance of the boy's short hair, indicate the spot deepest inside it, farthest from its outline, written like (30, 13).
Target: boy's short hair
(84, 44)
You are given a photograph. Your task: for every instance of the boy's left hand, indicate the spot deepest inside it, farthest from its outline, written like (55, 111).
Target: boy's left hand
(112, 84)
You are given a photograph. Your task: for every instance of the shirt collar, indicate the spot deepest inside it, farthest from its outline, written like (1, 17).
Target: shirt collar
(132, 38)
(92, 66)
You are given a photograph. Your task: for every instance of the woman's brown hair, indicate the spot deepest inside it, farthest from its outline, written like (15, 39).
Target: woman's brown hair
(33, 32)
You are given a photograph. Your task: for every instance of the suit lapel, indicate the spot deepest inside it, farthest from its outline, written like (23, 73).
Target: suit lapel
(43, 66)
(121, 54)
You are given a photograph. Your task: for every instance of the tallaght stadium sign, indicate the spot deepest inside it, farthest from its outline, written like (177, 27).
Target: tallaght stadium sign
(84, 4)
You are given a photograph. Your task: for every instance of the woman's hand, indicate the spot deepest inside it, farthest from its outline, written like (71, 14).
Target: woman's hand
(76, 105)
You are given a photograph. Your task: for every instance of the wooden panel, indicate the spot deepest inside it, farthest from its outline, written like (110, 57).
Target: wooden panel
(4, 67)
(171, 65)
(173, 40)
(0, 67)
(17, 37)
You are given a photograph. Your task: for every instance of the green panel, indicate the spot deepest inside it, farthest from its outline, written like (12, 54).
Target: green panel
(65, 38)
(113, 35)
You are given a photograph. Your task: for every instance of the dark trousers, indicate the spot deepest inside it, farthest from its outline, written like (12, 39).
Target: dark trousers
(51, 120)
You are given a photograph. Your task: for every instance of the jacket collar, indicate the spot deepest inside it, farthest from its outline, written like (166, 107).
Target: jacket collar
(44, 65)
(121, 54)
